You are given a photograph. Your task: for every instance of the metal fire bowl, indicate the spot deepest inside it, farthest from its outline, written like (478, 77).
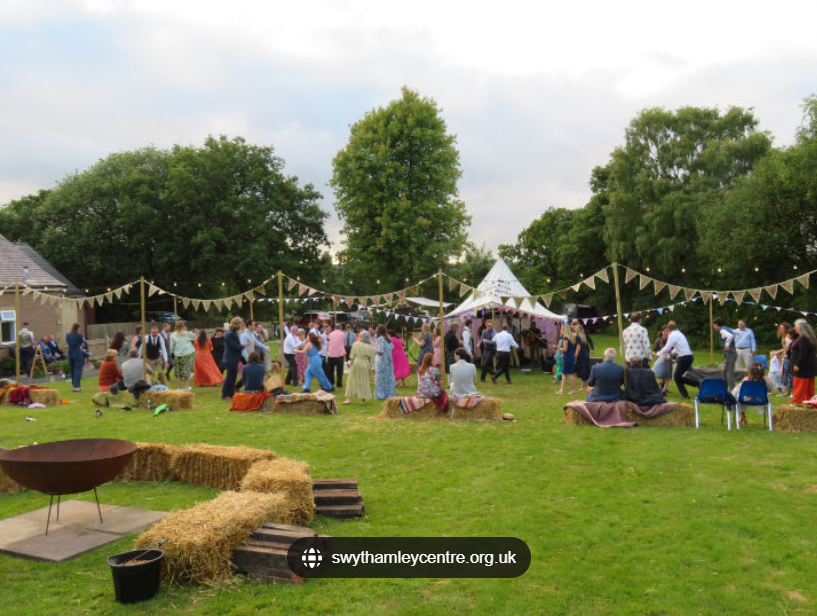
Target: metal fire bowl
(67, 467)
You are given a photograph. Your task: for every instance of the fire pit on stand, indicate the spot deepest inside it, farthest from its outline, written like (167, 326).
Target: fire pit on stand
(67, 467)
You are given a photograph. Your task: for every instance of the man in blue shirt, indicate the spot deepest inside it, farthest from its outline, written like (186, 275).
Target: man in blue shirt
(745, 345)
(606, 379)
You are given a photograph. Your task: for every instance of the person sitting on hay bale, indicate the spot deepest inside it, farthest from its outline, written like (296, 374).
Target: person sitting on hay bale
(109, 373)
(463, 375)
(253, 374)
(606, 379)
(642, 386)
(430, 383)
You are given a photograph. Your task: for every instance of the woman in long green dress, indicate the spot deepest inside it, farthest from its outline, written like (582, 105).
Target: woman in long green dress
(359, 382)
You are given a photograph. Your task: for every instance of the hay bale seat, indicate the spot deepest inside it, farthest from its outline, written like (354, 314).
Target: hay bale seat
(301, 407)
(216, 466)
(287, 477)
(48, 397)
(201, 540)
(7, 484)
(488, 408)
(151, 462)
(795, 418)
(682, 415)
(175, 399)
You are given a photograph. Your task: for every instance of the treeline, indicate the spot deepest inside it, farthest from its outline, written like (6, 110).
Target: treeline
(696, 197)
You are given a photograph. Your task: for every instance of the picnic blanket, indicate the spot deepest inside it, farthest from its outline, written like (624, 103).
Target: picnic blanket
(409, 404)
(321, 396)
(614, 414)
(249, 402)
(4, 389)
(467, 402)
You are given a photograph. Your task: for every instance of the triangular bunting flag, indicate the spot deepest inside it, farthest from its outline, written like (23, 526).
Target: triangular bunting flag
(376, 299)
(603, 275)
(660, 311)
(706, 295)
(415, 290)
(722, 297)
(388, 297)
(302, 288)
(643, 281)
(739, 295)
(152, 290)
(260, 290)
(518, 301)
(590, 282)
(312, 291)
(109, 297)
(576, 287)
(218, 304)
(673, 291)
(185, 301)
(504, 299)
(363, 301)
(771, 290)
(788, 286)
(658, 286)
(196, 304)
(26, 290)
(291, 284)
(463, 289)
(349, 300)
(118, 292)
(452, 284)
(628, 275)
(206, 303)
(547, 298)
(755, 293)
(690, 293)
(401, 294)
(562, 294)
(40, 297)
(803, 280)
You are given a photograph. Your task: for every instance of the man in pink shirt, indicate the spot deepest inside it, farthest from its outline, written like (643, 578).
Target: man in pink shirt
(336, 356)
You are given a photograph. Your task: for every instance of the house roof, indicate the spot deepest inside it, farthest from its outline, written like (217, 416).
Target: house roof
(41, 274)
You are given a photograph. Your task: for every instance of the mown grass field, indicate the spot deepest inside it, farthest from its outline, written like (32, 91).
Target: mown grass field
(642, 521)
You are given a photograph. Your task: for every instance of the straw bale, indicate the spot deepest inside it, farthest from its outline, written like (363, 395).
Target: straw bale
(176, 399)
(8, 485)
(488, 409)
(48, 397)
(795, 418)
(201, 540)
(287, 477)
(216, 466)
(682, 415)
(151, 462)
(302, 407)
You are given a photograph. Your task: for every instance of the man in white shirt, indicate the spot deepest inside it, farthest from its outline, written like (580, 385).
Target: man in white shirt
(504, 343)
(155, 353)
(678, 345)
(291, 342)
(463, 375)
(745, 345)
(636, 341)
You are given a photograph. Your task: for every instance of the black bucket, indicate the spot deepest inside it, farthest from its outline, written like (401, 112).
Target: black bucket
(137, 582)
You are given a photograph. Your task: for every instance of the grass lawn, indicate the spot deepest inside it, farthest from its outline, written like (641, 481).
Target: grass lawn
(642, 521)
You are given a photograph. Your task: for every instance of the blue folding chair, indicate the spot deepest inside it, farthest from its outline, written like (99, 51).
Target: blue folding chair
(762, 360)
(753, 393)
(714, 391)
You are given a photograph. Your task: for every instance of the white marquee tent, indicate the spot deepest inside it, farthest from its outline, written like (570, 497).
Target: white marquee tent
(501, 289)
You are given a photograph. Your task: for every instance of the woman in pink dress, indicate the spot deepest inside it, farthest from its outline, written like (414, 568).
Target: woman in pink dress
(402, 369)
(300, 359)
(438, 348)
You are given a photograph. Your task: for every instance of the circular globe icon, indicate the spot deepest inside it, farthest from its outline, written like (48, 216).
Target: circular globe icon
(312, 558)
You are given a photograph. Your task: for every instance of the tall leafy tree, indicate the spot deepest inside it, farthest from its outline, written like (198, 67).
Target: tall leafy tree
(671, 165)
(396, 188)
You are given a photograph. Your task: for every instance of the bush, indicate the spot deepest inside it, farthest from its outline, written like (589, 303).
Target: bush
(39, 373)
(7, 365)
(65, 366)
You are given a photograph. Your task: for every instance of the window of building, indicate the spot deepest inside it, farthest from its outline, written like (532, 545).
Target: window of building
(8, 327)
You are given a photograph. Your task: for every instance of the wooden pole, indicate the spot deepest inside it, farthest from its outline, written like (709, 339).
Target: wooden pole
(175, 311)
(252, 316)
(281, 315)
(711, 333)
(17, 322)
(144, 352)
(620, 321)
(442, 322)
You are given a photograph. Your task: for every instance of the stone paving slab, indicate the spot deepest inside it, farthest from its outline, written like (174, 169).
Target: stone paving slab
(77, 532)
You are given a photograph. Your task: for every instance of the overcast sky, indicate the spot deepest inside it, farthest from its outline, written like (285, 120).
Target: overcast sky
(537, 94)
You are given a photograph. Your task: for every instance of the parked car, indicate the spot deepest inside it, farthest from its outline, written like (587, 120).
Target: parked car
(307, 317)
(162, 316)
(582, 311)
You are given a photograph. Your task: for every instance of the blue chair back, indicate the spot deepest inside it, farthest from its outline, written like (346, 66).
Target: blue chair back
(762, 360)
(753, 392)
(713, 391)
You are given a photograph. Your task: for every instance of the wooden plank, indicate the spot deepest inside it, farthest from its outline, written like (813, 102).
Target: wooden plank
(289, 534)
(341, 511)
(304, 529)
(256, 559)
(334, 484)
(337, 497)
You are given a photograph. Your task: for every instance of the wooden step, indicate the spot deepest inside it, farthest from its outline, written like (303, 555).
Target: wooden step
(356, 510)
(334, 484)
(337, 497)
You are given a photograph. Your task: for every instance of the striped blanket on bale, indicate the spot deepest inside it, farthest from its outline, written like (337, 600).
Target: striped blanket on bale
(201, 540)
(409, 404)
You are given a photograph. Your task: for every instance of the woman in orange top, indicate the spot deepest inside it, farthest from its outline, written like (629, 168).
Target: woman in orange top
(207, 372)
(109, 372)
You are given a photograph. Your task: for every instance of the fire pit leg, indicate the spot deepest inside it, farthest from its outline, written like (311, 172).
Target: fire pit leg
(48, 520)
(59, 498)
(98, 508)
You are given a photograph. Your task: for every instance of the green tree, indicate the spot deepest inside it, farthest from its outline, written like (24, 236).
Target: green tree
(223, 212)
(396, 188)
(671, 167)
